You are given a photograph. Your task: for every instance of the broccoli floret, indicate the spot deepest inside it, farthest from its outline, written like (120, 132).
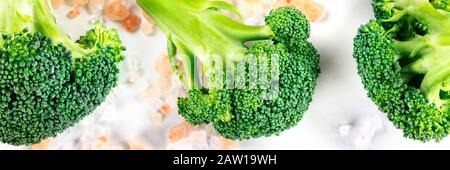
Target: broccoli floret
(48, 82)
(405, 68)
(248, 81)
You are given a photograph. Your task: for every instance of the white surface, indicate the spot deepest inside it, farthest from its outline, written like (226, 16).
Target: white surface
(340, 116)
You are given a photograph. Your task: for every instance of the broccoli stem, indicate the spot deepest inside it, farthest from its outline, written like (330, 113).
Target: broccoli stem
(13, 21)
(210, 25)
(189, 64)
(433, 82)
(412, 47)
(423, 11)
(36, 16)
(428, 55)
(196, 29)
(433, 60)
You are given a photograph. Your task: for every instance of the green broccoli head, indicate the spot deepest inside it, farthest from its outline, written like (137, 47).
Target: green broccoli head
(406, 71)
(289, 25)
(257, 113)
(48, 82)
(248, 81)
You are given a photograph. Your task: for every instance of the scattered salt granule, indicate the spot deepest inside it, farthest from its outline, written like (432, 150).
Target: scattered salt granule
(312, 10)
(199, 139)
(131, 23)
(57, 3)
(149, 91)
(96, 6)
(344, 130)
(133, 78)
(172, 98)
(176, 133)
(79, 2)
(43, 145)
(226, 143)
(155, 88)
(101, 143)
(256, 9)
(163, 66)
(368, 129)
(75, 12)
(133, 145)
(195, 140)
(117, 10)
(164, 70)
(251, 7)
(103, 138)
(148, 28)
(157, 118)
(190, 127)
(165, 109)
(165, 83)
(93, 132)
(147, 25)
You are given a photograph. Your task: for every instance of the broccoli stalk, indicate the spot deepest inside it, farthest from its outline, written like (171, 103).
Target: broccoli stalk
(212, 27)
(428, 54)
(230, 68)
(404, 61)
(421, 10)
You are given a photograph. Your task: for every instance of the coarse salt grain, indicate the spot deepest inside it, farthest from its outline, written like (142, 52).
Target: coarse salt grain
(57, 3)
(133, 78)
(96, 6)
(165, 109)
(177, 133)
(131, 23)
(103, 139)
(163, 66)
(344, 130)
(227, 143)
(79, 2)
(147, 28)
(312, 10)
(157, 118)
(133, 145)
(74, 12)
(147, 25)
(117, 10)
(192, 127)
(43, 145)
(165, 83)
(149, 91)
(101, 144)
